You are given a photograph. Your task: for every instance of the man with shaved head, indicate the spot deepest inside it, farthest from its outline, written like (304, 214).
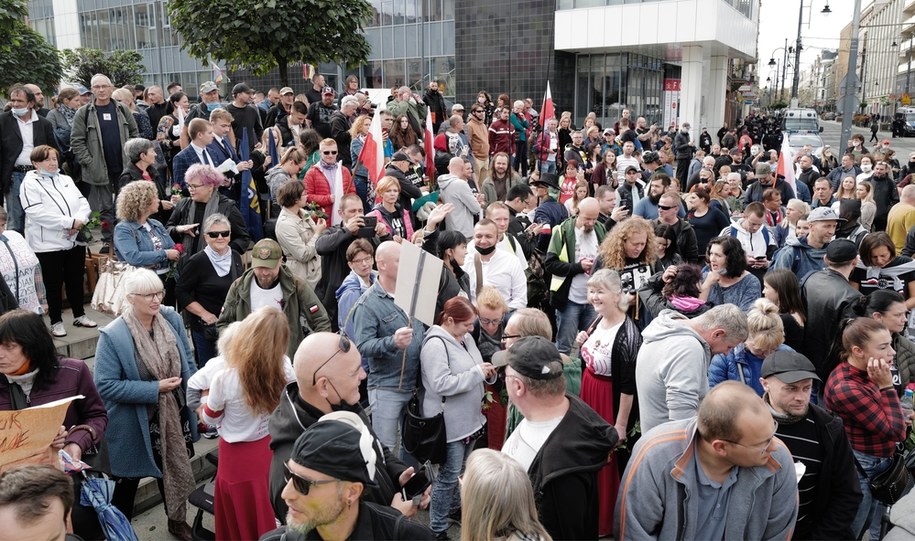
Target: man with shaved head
(328, 370)
(740, 478)
(39, 100)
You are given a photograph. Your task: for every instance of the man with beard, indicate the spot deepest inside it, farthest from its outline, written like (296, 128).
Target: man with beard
(766, 178)
(503, 179)
(828, 491)
(497, 268)
(322, 387)
(647, 207)
(320, 113)
(332, 465)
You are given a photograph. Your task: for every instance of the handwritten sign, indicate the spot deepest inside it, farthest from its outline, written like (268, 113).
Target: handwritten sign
(26, 435)
(418, 275)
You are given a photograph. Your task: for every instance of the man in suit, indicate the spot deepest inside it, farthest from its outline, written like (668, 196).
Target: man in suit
(221, 149)
(200, 132)
(21, 130)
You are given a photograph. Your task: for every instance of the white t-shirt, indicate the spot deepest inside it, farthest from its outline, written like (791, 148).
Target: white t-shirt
(266, 297)
(227, 409)
(585, 248)
(525, 442)
(597, 351)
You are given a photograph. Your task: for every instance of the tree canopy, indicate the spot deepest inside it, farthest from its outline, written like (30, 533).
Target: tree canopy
(272, 34)
(25, 55)
(122, 67)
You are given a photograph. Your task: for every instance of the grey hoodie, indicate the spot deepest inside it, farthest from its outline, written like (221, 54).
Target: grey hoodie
(799, 257)
(457, 192)
(671, 371)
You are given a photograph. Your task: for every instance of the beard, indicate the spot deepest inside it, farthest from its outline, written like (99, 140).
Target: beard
(655, 199)
(331, 511)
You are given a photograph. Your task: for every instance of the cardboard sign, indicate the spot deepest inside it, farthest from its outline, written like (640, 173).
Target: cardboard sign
(26, 435)
(418, 276)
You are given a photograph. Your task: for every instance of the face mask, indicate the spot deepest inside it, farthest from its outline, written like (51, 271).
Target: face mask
(486, 251)
(481, 100)
(866, 167)
(20, 111)
(48, 172)
(213, 106)
(343, 405)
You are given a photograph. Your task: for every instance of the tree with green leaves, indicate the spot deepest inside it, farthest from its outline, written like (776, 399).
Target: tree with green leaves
(273, 34)
(122, 67)
(25, 55)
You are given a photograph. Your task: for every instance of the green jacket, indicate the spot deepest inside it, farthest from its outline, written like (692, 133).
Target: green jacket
(557, 262)
(415, 110)
(86, 141)
(489, 187)
(303, 310)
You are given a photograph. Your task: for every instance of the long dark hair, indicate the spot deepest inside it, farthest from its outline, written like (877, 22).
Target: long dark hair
(784, 282)
(29, 331)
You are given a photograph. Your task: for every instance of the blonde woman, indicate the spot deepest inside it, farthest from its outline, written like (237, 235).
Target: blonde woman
(744, 362)
(846, 189)
(865, 192)
(498, 500)
(144, 128)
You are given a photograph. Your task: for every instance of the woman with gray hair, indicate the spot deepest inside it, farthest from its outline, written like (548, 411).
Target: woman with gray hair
(608, 351)
(141, 165)
(141, 240)
(142, 366)
(204, 283)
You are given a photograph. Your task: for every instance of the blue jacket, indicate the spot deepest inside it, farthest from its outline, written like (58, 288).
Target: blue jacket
(347, 295)
(133, 244)
(127, 397)
(183, 161)
(738, 364)
(376, 318)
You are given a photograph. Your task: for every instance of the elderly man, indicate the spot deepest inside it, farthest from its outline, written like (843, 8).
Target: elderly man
(209, 102)
(269, 283)
(282, 107)
(721, 475)
(100, 130)
(562, 443)
(327, 476)
(671, 372)
(322, 387)
(408, 103)
(453, 188)
(340, 123)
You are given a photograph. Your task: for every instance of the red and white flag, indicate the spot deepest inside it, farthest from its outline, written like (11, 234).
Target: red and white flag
(372, 154)
(547, 112)
(428, 141)
(786, 165)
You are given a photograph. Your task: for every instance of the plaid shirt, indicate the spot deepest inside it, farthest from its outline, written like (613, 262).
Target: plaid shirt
(873, 418)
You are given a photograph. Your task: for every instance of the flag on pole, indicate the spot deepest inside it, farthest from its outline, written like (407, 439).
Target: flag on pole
(372, 154)
(250, 203)
(308, 71)
(218, 73)
(547, 112)
(786, 164)
(271, 148)
(428, 141)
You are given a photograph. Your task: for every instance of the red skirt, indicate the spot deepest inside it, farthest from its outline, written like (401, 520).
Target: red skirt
(496, 418)
(242, 499)
(597, 392)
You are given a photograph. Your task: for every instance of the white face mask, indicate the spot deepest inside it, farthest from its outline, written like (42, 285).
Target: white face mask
(20, 111)
(866, 167)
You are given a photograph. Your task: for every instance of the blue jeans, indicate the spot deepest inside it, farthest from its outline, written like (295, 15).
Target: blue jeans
(15, 219)
(547, 167)
(445, 494)
(870, 510)
(204, 349)
(362, 189)
(571, 319)
(387, 412)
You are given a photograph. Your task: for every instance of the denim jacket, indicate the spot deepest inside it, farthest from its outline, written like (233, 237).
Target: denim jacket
(133, 244)
(376, 318)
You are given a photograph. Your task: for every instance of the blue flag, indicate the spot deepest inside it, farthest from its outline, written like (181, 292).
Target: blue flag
(250, 202)
(271, 148)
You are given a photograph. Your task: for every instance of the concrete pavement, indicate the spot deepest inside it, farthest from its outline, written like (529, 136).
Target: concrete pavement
(832, 131)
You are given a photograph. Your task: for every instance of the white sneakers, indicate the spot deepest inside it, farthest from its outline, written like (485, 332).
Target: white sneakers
(58, 330)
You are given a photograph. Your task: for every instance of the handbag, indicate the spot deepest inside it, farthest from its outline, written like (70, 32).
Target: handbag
(890, 485)
(109, 295)
(423, 437)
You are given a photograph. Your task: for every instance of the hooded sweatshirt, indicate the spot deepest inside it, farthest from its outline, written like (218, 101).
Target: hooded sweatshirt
(799, 257)
(457, 192)
(671, 372)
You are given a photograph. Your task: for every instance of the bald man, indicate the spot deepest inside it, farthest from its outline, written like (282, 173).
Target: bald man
(570, 258)
(454, 189)
(328, 370)
(39, 100)
(740, 478)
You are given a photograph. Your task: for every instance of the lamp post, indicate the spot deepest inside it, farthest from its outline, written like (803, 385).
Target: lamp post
(848, 102)
(797, 57)
(774, 63)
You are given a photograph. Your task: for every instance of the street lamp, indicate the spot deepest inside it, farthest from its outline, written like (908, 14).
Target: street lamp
(848, 103)
(773, 63)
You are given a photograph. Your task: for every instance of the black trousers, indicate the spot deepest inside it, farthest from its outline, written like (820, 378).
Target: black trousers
(64, 268)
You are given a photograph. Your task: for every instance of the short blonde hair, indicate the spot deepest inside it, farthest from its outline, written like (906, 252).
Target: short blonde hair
(490, 298)
(386, 183)
(327, 143)
(134, 199)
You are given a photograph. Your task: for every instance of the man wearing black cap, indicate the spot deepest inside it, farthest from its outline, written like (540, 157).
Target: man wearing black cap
(332, 464)
(828, 490)
(398, 168)
(562, 443)
(549, 211)
(828, 298)
(320, 112)
(245, 116)
(633, 189)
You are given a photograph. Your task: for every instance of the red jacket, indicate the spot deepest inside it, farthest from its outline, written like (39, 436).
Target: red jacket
(501, 137)
(318, 188)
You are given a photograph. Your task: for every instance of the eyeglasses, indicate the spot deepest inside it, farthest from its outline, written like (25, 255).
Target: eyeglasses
(343, 346)
(363, 261)
(510, 336)
(216, 234)
(665, 207)
(487, 321)
(194, 186)
(150, 296)
(762, 448)
(301, 484)
(329, 152)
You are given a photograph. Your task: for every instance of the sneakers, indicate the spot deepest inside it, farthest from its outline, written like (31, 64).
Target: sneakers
(207, 431)
(57, 329)
(84, 321)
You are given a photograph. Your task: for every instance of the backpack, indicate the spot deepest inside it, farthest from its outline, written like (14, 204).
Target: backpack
(764, 229)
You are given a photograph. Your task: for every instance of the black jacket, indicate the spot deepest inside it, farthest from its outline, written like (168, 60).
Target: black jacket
(375, 522)
(686, 244)
(828, 298)
(11, 143)
(408, 191)
(435, 105)
(132, 172)
(625, 194)
(181, 216)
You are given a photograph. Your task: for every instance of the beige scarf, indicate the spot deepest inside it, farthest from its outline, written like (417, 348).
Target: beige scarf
(158, 352)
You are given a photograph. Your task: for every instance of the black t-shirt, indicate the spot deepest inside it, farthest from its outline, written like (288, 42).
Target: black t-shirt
(884, 281)
(802, 440)
(246, 118)
(319, 115)
(110, 129)
(708, 226)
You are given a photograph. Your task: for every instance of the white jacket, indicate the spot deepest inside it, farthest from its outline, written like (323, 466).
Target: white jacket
(51, 205)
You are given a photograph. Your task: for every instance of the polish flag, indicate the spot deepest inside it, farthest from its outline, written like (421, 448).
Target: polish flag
(547, 112)
(428, 141)
(372, 155)
(786, 165)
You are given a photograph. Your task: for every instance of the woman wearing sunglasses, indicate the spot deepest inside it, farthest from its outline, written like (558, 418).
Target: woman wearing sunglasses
(328, 181)
(242, 396)
(204, 283)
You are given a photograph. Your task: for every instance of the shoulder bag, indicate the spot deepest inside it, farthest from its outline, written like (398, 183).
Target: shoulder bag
(893, 483)
(425, 437)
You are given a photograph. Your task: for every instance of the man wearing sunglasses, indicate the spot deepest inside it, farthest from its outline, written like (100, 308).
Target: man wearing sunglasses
(328, 181)
(269, 283)
(332, 465)
(686, 244)
(328, 370)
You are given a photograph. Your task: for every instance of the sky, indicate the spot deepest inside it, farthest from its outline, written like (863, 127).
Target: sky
(778, 20)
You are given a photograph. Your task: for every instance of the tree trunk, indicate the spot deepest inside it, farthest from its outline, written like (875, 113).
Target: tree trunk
(283, 65)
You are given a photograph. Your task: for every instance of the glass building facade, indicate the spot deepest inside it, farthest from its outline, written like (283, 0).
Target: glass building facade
(608, 83)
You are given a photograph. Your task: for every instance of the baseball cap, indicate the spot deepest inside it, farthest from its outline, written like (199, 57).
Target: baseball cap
(327, 90)
(83, 90)
(534, 357)
(822, 214)
(788, 367)
(457, 107)
(241, 87)
(608, 131)
(337, 447)
(207, 87)
(286, 90)
(841, 251)
(266, 254)
(401, 156)
(631, 168)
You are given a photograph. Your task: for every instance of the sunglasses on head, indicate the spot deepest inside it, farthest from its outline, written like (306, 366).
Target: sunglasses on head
(217, 234)
(302, 485)
(344, 346)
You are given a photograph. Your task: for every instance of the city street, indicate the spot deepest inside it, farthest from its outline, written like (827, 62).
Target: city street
(831, 132)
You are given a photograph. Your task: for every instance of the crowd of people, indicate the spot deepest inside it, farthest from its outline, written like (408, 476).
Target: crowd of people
(639, 332)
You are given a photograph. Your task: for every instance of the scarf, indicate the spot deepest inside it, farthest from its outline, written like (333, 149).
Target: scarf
(686, 304)
(774, 218)
(158, 353)
(335, 184)
(68, 113)
(212, 207)
(783, 418)
(876, 273)
(221, 263)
